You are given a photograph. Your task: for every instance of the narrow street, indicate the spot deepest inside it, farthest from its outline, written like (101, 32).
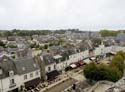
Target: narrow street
(62, 86)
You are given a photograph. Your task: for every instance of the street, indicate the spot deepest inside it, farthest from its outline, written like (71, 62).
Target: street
(62, 86)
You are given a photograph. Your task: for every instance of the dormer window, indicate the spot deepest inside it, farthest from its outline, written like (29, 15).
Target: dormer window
(12, 81)
(34, 65)
(11, 73)
(23, 68)
(5, 60)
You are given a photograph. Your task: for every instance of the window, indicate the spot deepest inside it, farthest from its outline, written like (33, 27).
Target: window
(23, 68)
(12, 81)
(49, 68)
(11, 73)
(54, 66)
(34, 65)
(31, 75)
(25, 77)
(37, 72)
(12, 52)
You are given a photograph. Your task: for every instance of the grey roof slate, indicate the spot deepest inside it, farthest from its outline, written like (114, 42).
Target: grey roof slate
(48, 59)
(26, 65)
(7, 64)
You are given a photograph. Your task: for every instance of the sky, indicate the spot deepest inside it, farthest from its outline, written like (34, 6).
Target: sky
(62, 14)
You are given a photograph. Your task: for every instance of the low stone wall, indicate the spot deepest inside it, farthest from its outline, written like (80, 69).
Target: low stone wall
(98, 84)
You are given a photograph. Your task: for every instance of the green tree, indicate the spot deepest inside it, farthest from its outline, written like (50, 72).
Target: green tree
(113, 74)
(121, 53)
(89, 71)
(41, 47)
(2, 44)
(46, 46)
(118, 61)
(61, 41)
(96, 41)
(105, 33)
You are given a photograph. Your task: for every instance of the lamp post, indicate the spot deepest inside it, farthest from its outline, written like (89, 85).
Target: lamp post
(1, 72)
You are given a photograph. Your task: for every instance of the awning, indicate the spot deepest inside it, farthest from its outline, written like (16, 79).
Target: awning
(81, 62)
(113, 52)
(52, 75)
(73, 66)
(110, 53)
(32, 83)
(92, 58)
(77, 64)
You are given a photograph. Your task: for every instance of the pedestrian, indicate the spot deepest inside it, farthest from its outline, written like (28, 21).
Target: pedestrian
(74, 87)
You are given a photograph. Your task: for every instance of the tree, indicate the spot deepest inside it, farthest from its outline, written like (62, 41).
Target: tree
(114, 74)
(46, 46)
(2, 44)
(105, 33)
(41, 47)
(96, 42)
(32, 45)
(60, 42)
(121, 53)
(118, 61)
(102, 72)
(89, 71)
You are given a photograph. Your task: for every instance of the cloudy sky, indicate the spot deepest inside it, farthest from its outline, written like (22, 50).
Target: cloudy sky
(62, 14)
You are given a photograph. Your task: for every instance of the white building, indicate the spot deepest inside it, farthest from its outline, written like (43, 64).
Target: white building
(15, 74)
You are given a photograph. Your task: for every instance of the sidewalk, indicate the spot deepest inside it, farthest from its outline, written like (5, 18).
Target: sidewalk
(63, 77)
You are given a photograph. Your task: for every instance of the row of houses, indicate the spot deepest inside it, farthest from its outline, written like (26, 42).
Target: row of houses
(27, 71)
(52, 65)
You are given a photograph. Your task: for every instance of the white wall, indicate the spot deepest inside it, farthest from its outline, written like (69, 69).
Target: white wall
(60, 66)
(52, 67)
(6, 83)
(19, 80)
(120, 48)
(107, 49)
(85, 53)
(28, 76)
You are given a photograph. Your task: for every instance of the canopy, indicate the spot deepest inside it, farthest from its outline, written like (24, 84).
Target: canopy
(52, 75)
(73, 65)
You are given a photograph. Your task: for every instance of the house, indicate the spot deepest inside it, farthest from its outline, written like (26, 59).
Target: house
(48, 67)
(15, 74)
(121, 38)
(28, 71)
(61, 62)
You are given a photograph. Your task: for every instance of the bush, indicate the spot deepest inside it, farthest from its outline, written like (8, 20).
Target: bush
(113, 72)
(118, 62)
(89, 71)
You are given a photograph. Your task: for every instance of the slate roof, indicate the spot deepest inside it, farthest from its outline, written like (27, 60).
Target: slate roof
(7, 64)
(48, 59)
(26, 65)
